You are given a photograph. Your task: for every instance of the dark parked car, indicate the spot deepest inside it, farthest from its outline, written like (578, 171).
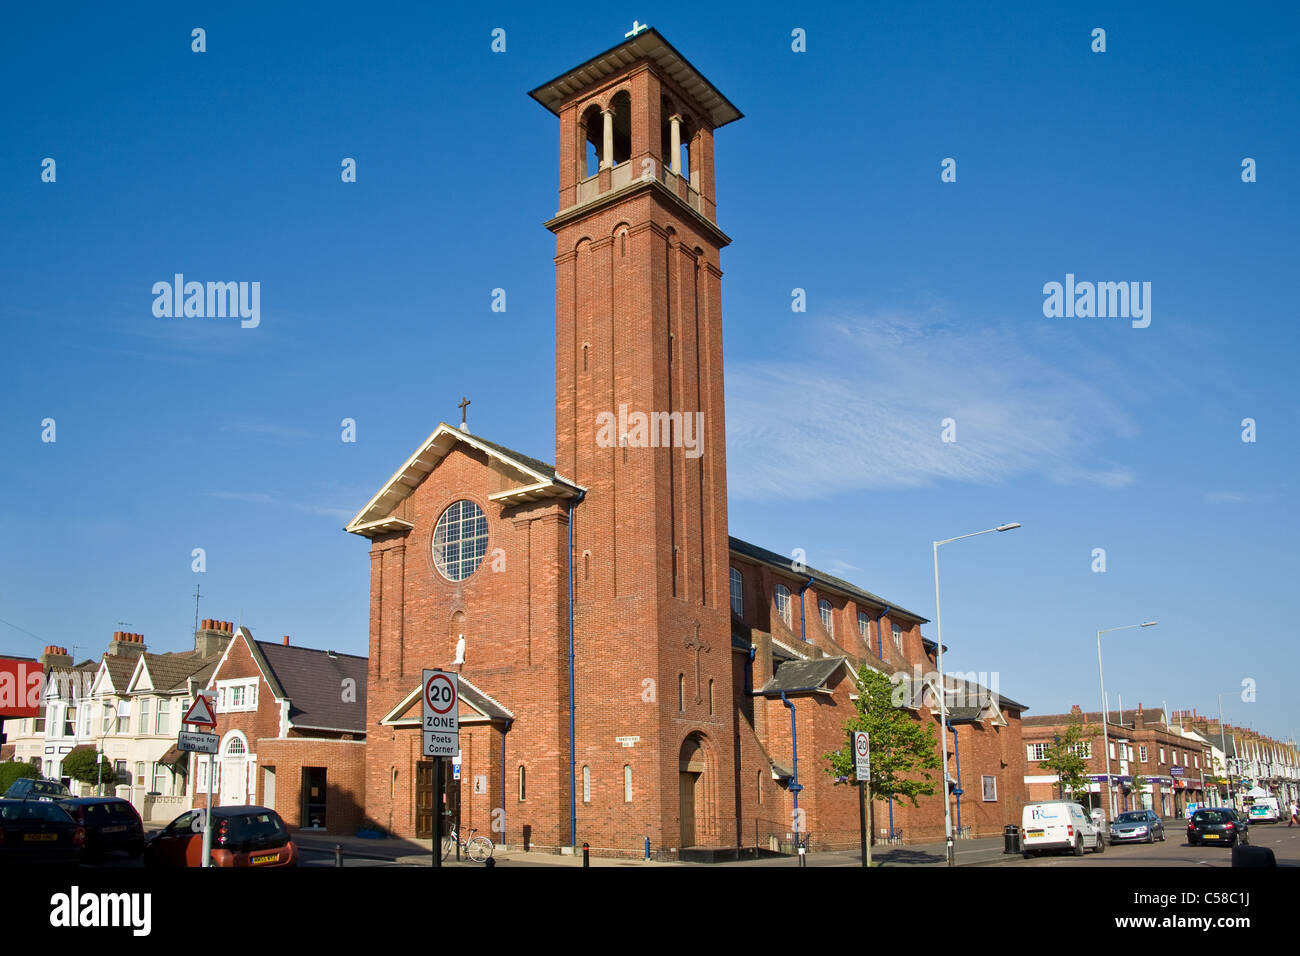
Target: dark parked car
(241, 836)
(34, 831)
(36, 789)
(1142, 826)
(111, 824)
(1217, 825)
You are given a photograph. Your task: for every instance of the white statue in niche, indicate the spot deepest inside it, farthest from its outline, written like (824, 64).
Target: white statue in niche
(460, 650)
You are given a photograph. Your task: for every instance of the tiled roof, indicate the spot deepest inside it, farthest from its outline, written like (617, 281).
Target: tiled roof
(120, 670)
(170, 671)
(313, 680)
(802, 675)
(772, 559)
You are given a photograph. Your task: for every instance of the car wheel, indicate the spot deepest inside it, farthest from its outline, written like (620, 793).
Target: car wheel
(1078, 846)
(1101, 845)
(1028, 854)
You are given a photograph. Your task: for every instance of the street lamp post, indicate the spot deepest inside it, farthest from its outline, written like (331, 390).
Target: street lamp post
(1223, 743)
(1105, 737)
(943, 705)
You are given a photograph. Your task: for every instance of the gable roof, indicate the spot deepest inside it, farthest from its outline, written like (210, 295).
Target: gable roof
(311, 679)
(119, 670)
(828, 582)
(536, 479)
(408, 709)
(170, 673)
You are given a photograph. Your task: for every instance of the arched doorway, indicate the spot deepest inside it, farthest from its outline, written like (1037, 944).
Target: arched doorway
(234, 770)
(697, 792)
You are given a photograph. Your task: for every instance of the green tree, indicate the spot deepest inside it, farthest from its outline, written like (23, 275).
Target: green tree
(903, 748)
(1064, 757)
(12, 770)
(82, 765)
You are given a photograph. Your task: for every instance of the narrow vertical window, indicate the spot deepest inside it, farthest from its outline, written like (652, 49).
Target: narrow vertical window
(758, 785)
(710, 697)
(586, 784)
(828, 622)
(681, 691)
(898, 638)
(783, 603)
(627, 783)
(522, 783)
(737, 593)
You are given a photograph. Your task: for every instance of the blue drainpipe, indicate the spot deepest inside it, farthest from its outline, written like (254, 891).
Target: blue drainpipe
(794, 749)
(880, 652)
(956, 791)
(573, 752)
(803, 634)
(749, 670)
(891, 818)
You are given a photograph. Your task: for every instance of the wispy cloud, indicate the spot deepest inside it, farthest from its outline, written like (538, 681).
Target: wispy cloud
(1228, 498)
(865, 410)
(331, 504)
(249, 497)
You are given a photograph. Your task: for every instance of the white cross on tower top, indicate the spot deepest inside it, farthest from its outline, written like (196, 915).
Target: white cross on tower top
(636, 28)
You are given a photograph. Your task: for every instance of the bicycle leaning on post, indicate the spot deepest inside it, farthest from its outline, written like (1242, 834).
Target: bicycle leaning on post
(477, 848)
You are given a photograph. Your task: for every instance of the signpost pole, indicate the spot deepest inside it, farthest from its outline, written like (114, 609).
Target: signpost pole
(437, 813)
(862, 822)
(207, 815)
(441, 740)
(862, 770)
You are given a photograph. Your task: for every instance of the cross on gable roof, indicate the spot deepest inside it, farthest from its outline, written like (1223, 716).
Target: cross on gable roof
(536, 479)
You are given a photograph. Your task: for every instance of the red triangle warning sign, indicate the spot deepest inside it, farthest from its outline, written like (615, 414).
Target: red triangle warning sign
(200, 713)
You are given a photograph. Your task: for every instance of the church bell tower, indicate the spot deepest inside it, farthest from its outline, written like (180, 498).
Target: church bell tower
(640, 424)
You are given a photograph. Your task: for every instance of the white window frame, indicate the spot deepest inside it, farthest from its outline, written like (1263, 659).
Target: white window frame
(737, 589)
(1142, 754)
(782, 599)
(123, 723)
(864, 626)
(159, 773)
(985, 780)
(827, 613)
(1162, 754)
(162, 720)
(898, 637)
(226, 695)
(1037, 751)
(144, 715)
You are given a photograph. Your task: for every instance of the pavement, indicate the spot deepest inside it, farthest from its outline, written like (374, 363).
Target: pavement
(980, 852)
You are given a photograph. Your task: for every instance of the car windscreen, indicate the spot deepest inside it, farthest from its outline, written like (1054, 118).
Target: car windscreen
(259, 827)
(1131, 818)
(31, 810)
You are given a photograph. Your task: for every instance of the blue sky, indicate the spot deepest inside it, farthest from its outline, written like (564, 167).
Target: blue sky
(924, 302)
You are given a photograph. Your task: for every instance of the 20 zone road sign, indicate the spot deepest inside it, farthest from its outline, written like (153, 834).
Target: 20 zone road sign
(441, 706)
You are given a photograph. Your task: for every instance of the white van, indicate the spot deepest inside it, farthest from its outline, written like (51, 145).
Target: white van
(1058, 825)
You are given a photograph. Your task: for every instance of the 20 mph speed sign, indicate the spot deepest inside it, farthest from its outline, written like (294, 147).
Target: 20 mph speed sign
(441, 705)
(862, 756)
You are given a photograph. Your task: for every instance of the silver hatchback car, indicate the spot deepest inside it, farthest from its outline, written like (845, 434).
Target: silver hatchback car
(1139, 826)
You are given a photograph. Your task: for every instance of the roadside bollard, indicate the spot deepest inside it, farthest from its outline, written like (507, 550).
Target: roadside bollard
(647, 848)
(490, 861)
(586, 854)
(338, 854)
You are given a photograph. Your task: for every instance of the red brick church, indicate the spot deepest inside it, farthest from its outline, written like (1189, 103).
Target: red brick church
(622, 660)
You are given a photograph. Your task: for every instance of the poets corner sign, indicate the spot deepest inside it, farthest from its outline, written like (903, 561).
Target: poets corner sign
(441, 724)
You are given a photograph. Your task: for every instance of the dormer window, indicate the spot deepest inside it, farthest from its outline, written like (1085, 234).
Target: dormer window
(237, 695)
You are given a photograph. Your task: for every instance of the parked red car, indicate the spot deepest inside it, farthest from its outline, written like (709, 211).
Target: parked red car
(241, 836)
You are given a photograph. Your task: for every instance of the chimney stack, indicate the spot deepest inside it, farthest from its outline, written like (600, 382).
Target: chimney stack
(55, 656)
(286, 640)
(212, 637)
(126, 644)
